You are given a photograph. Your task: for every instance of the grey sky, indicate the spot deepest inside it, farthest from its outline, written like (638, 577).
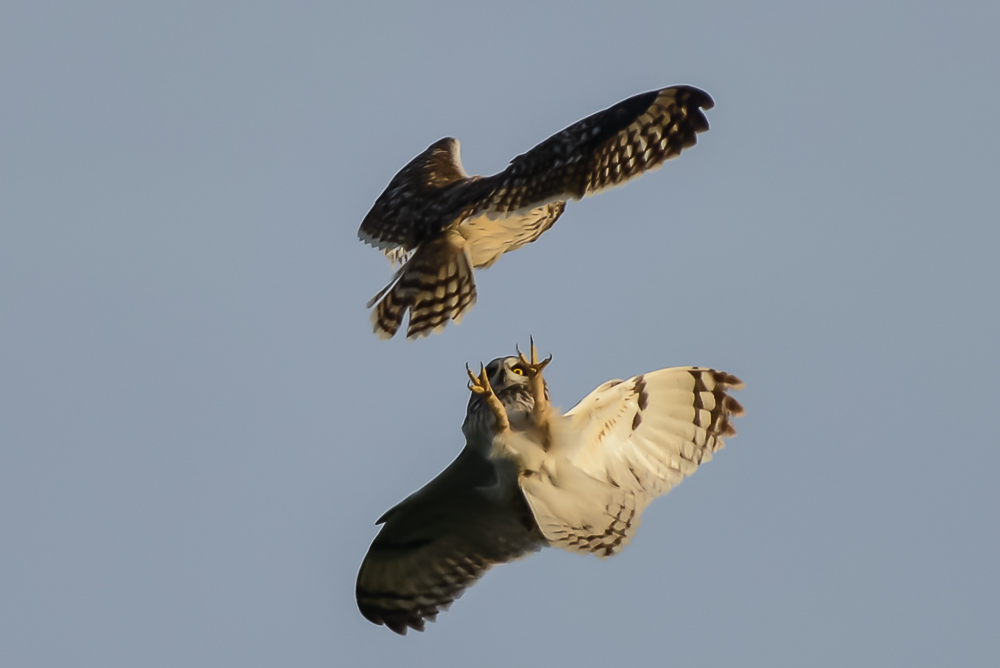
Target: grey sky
(198, 431)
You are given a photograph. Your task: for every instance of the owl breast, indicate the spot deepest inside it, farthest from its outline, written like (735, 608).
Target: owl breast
(519, 403)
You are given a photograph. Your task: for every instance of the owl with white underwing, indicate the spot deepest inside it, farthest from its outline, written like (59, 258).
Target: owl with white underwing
(530, 477)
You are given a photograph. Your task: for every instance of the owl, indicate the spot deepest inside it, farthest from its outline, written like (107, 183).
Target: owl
(530, 478)
(440, 223)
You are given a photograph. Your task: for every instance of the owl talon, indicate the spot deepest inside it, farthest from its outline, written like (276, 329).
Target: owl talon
(481, 385)
(476, 384)
(533, 367)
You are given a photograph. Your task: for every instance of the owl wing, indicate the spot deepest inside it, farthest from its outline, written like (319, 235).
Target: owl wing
(646, 434)
(416, 203)
(440, 541)
(580, 513)
(604, 150)
(624, 444)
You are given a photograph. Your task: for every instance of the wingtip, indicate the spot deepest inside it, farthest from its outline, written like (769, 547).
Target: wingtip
(733, 407)
(696, 95)
(729, 380)
(370, 240)
(399, 621)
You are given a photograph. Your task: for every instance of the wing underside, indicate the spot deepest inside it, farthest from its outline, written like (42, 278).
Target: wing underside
(623, 445)
(440, 541)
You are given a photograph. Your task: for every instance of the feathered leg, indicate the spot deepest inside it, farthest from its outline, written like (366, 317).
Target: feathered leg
(543, 408)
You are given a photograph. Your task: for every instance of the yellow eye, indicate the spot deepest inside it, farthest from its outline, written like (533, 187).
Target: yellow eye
(518, 370)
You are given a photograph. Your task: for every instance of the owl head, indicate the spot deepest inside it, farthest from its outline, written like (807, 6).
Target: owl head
(509, 383)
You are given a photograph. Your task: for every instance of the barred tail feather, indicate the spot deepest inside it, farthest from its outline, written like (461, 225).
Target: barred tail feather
(435, 286)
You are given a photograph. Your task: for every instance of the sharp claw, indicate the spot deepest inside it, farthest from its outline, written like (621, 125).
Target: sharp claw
(533, 366)
(520, 355)
(475, 383)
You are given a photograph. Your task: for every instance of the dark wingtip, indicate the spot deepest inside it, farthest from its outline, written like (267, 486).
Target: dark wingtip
(729, 380)
(696, 96)
(398, 622)
(733, 407)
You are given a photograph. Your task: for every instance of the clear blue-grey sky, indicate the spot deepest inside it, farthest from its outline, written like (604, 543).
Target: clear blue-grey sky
(198, 430)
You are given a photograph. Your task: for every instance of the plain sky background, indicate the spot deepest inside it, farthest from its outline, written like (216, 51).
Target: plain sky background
(198, 430)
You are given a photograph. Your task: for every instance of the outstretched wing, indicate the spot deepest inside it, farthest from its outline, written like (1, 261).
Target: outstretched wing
(624, 444)
(604, 150)
(646, 434)
(440, 541)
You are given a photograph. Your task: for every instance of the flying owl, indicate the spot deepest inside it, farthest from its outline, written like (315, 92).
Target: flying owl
(440, 223)
(529, 478)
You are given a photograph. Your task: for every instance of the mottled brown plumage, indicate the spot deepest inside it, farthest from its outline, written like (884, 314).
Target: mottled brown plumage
(452, 222)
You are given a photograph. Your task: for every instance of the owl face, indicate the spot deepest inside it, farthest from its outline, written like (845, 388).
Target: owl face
(509, 383)
(505, 373)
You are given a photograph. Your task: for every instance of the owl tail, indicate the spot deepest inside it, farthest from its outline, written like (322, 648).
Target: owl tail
(435, 285)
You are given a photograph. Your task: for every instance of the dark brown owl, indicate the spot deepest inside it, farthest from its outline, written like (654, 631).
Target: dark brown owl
(442, 223)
